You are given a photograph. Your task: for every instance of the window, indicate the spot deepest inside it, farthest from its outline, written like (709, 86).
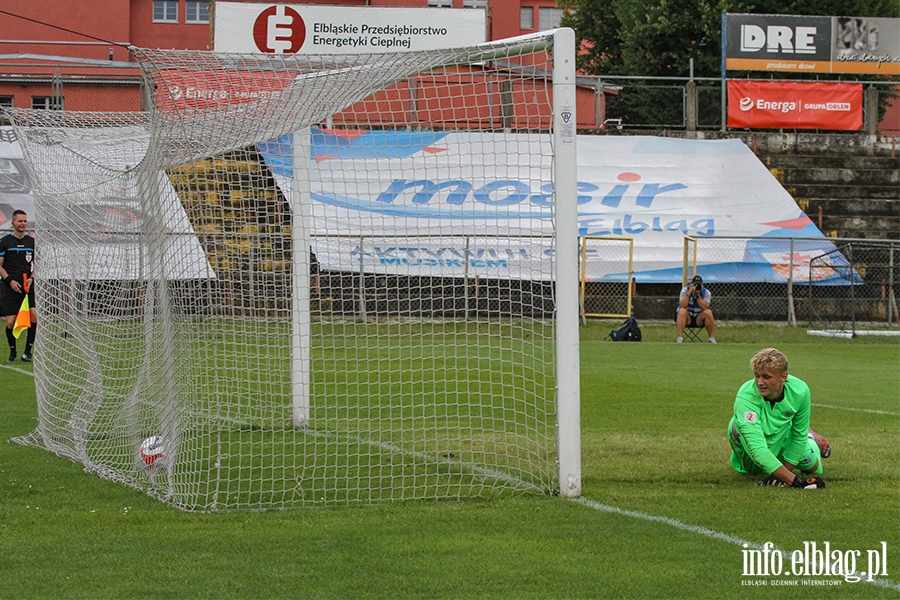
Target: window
(165, 11)
(440, 3)
(196, 12)
(5, 102)
(526, 17)
(47, 102)
(548, 18)
(474, 3)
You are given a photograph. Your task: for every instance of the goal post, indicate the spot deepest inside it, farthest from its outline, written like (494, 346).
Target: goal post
(564, 181)
(245, 309)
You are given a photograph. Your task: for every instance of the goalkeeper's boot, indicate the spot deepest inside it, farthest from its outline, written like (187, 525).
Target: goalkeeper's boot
(821, 442)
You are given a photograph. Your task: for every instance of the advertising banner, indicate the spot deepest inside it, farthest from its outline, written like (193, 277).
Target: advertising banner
(461, 204)
(473, 204)
(182, 89)
(795, 105)
(321, 29)
(811, 44)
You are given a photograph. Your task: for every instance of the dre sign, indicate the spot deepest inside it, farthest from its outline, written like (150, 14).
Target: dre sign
(778, 39)
(811, 44)
(757, 42)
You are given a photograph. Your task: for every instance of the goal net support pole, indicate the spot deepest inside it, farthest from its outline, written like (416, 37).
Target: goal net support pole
(300, 273)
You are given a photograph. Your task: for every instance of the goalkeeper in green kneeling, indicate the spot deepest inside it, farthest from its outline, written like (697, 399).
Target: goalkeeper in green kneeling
(769, 431)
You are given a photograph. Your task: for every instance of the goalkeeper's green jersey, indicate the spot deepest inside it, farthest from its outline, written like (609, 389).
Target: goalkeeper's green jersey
(773, 432)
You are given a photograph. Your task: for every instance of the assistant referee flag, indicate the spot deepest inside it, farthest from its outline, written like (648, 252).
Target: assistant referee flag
(23, 319)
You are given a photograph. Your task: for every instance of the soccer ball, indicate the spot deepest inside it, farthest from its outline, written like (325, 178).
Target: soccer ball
(152, 450)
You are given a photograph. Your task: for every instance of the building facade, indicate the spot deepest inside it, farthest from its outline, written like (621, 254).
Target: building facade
(57, 54)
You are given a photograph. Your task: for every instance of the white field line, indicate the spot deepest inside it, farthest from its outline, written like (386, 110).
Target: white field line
(884, 583)
(634, 514)
(420, 457)
(18, 370)
(430, 457)
(865, 410)
(831, 406)
(490, 473)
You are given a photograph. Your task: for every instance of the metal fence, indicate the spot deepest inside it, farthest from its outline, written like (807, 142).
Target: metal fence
(416, 276)
(682, 103)
(857, 281)
(851, 287)
(865, 275)
(620, 103)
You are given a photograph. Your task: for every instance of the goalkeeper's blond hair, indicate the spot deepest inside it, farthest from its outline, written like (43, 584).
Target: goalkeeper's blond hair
(769, 359)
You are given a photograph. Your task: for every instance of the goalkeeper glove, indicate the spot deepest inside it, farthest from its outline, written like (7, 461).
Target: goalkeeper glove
(806, 484)
(772, 481)
(812, 483)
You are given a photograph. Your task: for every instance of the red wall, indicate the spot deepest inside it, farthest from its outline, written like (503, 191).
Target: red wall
(102, 98)
(144, 33)
(107, 20)
(890, 124)
(130, 22)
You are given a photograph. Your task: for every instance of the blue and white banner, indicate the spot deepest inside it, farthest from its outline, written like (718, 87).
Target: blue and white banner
(455, 204)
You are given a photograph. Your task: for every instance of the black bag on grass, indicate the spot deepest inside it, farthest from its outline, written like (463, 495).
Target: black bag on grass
(628, 332)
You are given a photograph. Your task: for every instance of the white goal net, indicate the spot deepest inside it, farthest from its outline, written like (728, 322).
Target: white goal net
(307, 281)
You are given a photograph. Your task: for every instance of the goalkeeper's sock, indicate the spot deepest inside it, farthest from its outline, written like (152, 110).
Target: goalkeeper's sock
(821, 442)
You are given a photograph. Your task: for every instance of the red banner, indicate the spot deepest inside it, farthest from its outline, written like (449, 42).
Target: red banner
(203, 89)
(795, 105)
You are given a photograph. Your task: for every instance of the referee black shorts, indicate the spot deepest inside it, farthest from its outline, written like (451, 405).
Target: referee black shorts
(11, 302)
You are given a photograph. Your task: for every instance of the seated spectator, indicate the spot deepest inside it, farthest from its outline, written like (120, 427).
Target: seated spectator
(693, 309)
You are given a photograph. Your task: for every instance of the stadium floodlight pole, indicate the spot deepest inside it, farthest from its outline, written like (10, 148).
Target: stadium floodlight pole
(301, 209)
(568, 395)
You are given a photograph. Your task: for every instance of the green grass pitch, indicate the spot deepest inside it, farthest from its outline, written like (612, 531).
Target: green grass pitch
(662, 514)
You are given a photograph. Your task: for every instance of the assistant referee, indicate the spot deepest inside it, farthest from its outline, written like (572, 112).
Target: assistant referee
(17, 272)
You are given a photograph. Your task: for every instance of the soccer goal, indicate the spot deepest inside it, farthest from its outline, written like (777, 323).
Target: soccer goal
(315, 280)
(853, 290)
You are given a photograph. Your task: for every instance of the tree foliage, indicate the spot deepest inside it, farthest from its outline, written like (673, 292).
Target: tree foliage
(659, 37)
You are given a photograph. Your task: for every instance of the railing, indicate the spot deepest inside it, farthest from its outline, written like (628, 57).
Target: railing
(618, 103)
(691, 104)
(857, 280)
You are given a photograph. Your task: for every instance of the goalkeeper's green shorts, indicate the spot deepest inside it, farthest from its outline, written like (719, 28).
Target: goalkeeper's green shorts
(742, 462)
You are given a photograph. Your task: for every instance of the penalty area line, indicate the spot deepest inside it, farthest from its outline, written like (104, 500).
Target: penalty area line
(424, 458)
(17, 370)
(865, 410)
(730, 539)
